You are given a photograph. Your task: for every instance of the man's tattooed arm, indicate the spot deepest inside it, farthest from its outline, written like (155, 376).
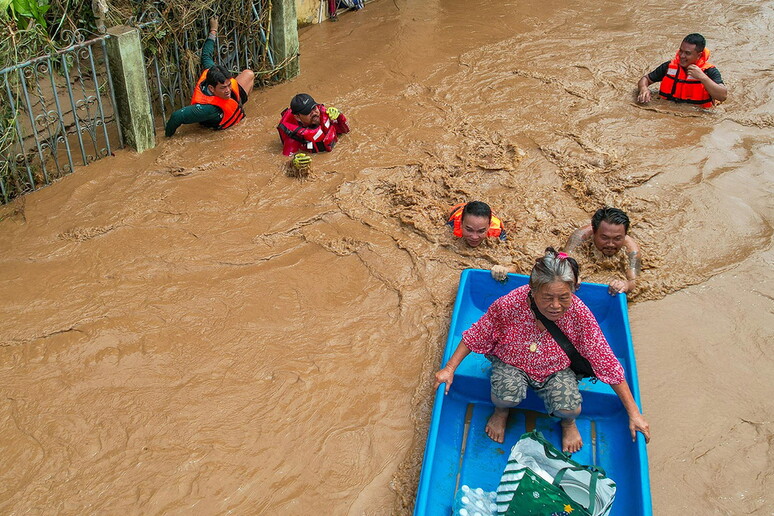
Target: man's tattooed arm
(635, 265)
(574, 241)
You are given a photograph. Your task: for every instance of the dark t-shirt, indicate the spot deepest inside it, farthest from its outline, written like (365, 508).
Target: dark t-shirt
(659, 73)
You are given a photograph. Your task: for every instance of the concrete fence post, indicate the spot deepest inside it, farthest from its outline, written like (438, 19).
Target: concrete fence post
(284, 41)
(128, 70)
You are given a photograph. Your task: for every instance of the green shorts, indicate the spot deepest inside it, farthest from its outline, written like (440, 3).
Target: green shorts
(509, 387)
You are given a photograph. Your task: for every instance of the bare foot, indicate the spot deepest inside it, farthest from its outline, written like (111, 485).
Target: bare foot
(495, 427)
(571, 437)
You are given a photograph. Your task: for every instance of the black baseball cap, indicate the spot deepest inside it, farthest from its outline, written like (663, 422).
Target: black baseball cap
(302, 104)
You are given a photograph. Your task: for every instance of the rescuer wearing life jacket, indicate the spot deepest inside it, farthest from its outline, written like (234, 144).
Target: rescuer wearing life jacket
(474, 222)
(218, 99)
(689, 77)
(307, 126)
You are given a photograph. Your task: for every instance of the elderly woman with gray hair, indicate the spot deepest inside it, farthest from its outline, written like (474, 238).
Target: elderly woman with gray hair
(523, 353)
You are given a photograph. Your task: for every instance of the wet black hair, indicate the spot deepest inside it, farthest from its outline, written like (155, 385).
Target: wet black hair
(611, 216)
(216, 75)
(478, 209)
(696, 39)
(554, 266)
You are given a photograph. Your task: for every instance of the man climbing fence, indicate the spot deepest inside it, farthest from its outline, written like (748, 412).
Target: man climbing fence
(218, 98)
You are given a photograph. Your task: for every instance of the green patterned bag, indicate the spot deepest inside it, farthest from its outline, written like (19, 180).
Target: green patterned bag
(535, 496)
(541, 480)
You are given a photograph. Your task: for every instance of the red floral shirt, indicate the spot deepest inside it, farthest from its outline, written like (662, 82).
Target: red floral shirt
(509, 329)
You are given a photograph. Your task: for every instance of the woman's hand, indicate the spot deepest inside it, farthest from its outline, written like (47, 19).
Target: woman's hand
(637, 423)
(445, 375)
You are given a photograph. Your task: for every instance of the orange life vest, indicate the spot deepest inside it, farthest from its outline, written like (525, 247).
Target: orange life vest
(231, 107)
(495, 226)
(677, 85)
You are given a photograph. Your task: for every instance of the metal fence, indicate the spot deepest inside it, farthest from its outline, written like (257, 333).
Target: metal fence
(56, 112)
(173, 60)
(59, 110)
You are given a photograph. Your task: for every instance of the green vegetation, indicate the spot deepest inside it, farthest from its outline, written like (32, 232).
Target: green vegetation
(23, 12)
(172, 32)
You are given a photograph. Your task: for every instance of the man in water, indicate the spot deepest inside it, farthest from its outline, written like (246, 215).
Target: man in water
(689, 77)
(218, 97)
(474, 222)
(307, 126)
(608, 233)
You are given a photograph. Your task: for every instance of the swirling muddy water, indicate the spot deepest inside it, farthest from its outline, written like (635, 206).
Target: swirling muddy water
(189, 331)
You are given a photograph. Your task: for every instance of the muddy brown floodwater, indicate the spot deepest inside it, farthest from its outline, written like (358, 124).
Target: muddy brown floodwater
(189, 331)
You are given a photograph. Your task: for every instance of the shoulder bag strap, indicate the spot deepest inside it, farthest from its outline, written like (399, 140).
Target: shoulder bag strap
(576, 359)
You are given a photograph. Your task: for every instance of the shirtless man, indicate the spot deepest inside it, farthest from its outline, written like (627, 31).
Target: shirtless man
(609, 233)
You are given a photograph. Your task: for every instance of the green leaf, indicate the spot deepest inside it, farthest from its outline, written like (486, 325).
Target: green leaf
(21, 8)
(29, 9)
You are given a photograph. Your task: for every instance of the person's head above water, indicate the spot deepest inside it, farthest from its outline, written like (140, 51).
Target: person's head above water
(305, 110)
(691, 49)
(554, 277)
(218, 82)
(610, 226)
(476, 218)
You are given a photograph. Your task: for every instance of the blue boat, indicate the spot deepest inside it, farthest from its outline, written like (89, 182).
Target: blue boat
(458, 451)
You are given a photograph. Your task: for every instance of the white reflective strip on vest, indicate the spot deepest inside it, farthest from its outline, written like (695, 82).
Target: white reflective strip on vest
(309, 145)
(327, 124)
(318, 134)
